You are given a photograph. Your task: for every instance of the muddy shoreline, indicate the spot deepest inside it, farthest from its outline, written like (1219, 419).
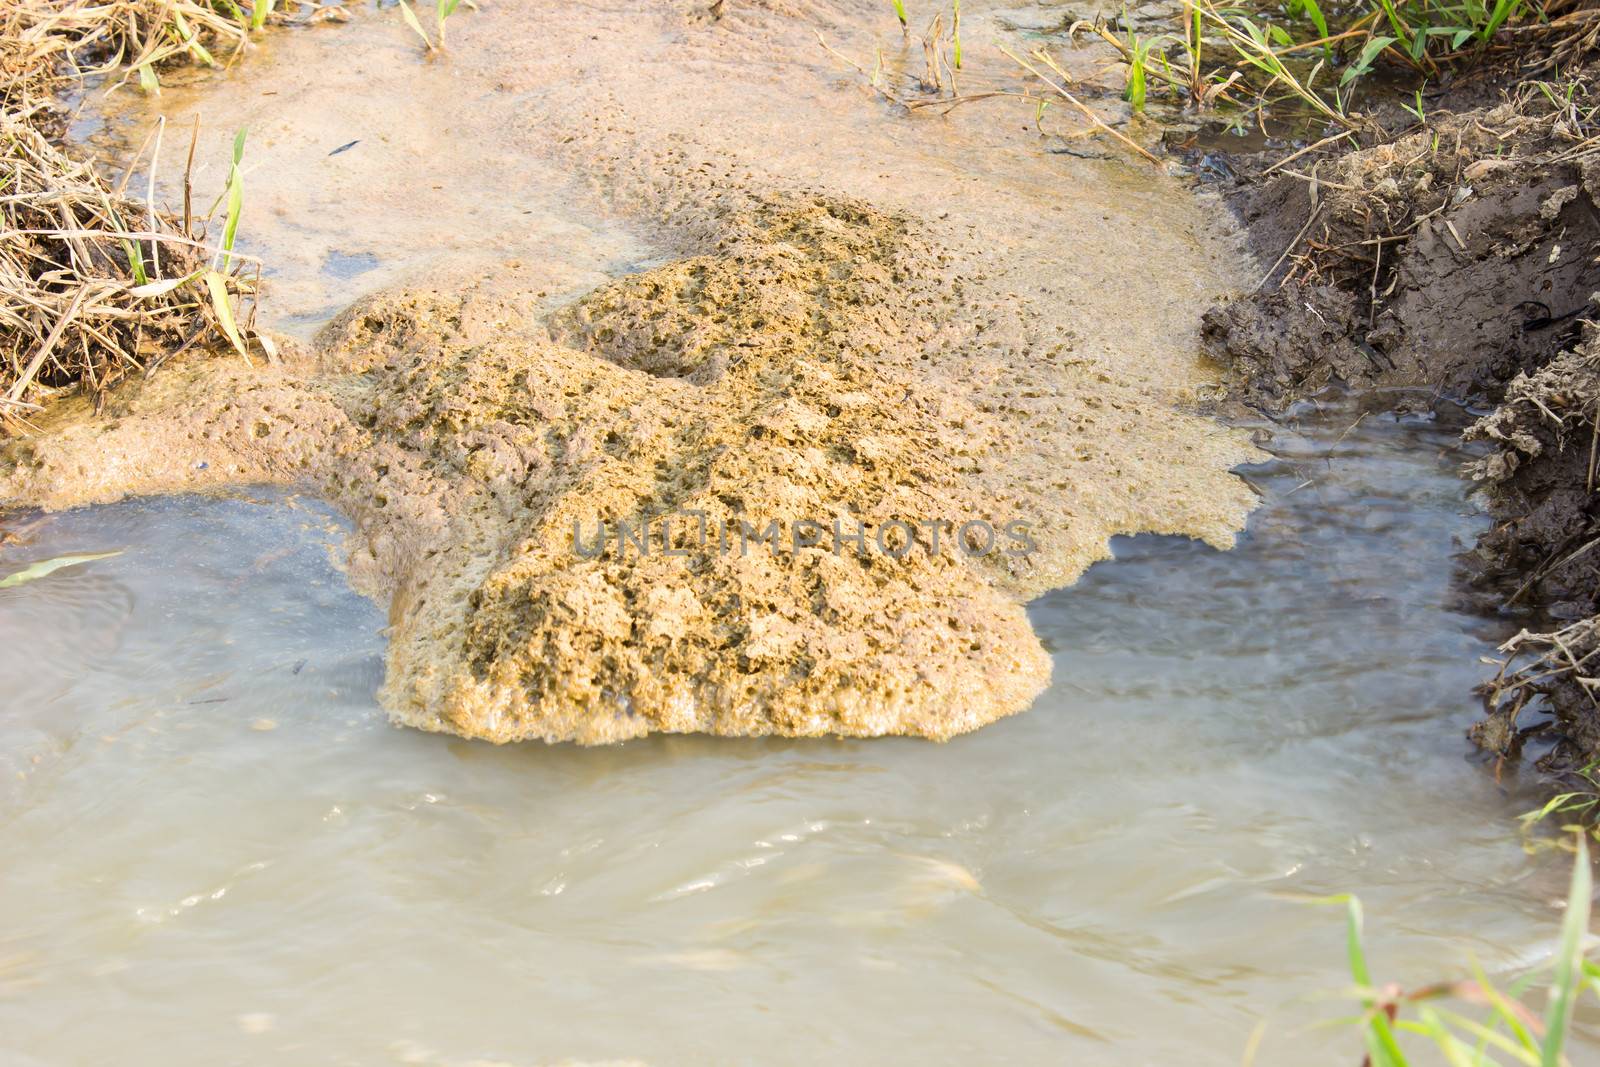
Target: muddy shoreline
(832, 329)
(1458, 255)
(816, 345)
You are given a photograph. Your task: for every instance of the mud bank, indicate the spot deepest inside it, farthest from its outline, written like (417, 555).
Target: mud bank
(832, 337)
(1461, 255)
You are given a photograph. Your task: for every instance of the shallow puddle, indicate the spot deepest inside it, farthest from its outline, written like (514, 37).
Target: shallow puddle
(553, 146)
(365, 167)
(218, 847)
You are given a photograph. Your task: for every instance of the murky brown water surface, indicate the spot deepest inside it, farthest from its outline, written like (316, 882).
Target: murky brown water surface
(219, 850)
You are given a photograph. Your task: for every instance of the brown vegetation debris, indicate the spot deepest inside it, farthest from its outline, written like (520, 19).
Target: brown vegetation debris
(93, 284)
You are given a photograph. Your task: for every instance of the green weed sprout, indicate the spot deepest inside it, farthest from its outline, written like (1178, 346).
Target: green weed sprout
(1512, 1033)
(216, 279)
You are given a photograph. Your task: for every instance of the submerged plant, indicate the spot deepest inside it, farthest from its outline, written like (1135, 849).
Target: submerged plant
(34, 571)
(442, 11)
(1577, 809)
(1056, 80)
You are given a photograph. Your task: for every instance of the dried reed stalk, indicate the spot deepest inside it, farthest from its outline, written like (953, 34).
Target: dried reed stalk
(95, 285)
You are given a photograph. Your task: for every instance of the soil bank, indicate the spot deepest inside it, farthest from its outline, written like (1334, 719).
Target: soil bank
(1460, 254)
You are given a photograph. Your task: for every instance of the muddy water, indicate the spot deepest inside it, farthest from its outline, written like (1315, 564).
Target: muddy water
(229, 852)
(353, 186)
(555, 143)
(220, 848)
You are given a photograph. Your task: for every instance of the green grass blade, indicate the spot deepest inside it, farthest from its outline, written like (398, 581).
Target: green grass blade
(190, 40)
(411, 20)
(1401, 30)
(34, 571)
(233, 11)
(235, 197)
(1137, 83)
(151, 290)
(1506, 1010)
(1363, 63)
(1352, 943)
(1310, 9)
(955, 32)
(1432, 1026)
(130, 247)
(1554, 804)
(1380, 1039)
(1569, 959)
(217, 286)
(1491, 1037)
(1502, 11)
(135, 262)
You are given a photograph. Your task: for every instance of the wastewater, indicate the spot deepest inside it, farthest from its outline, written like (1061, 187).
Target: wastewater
(222, 849)
(219, 842)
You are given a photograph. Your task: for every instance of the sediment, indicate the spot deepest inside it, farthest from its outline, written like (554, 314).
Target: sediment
(772, 378)
(825, 339)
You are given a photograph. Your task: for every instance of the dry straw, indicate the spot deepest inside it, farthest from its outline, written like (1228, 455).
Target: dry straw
(97, 283)
(93, 284)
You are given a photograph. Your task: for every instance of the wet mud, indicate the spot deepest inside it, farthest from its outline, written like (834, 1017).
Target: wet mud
(1459, 256)
(830, 338)
(1437, 258)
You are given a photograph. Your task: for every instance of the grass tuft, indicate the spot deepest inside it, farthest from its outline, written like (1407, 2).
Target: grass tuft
(96, 283)
(1510, 1033)
(43, 40)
